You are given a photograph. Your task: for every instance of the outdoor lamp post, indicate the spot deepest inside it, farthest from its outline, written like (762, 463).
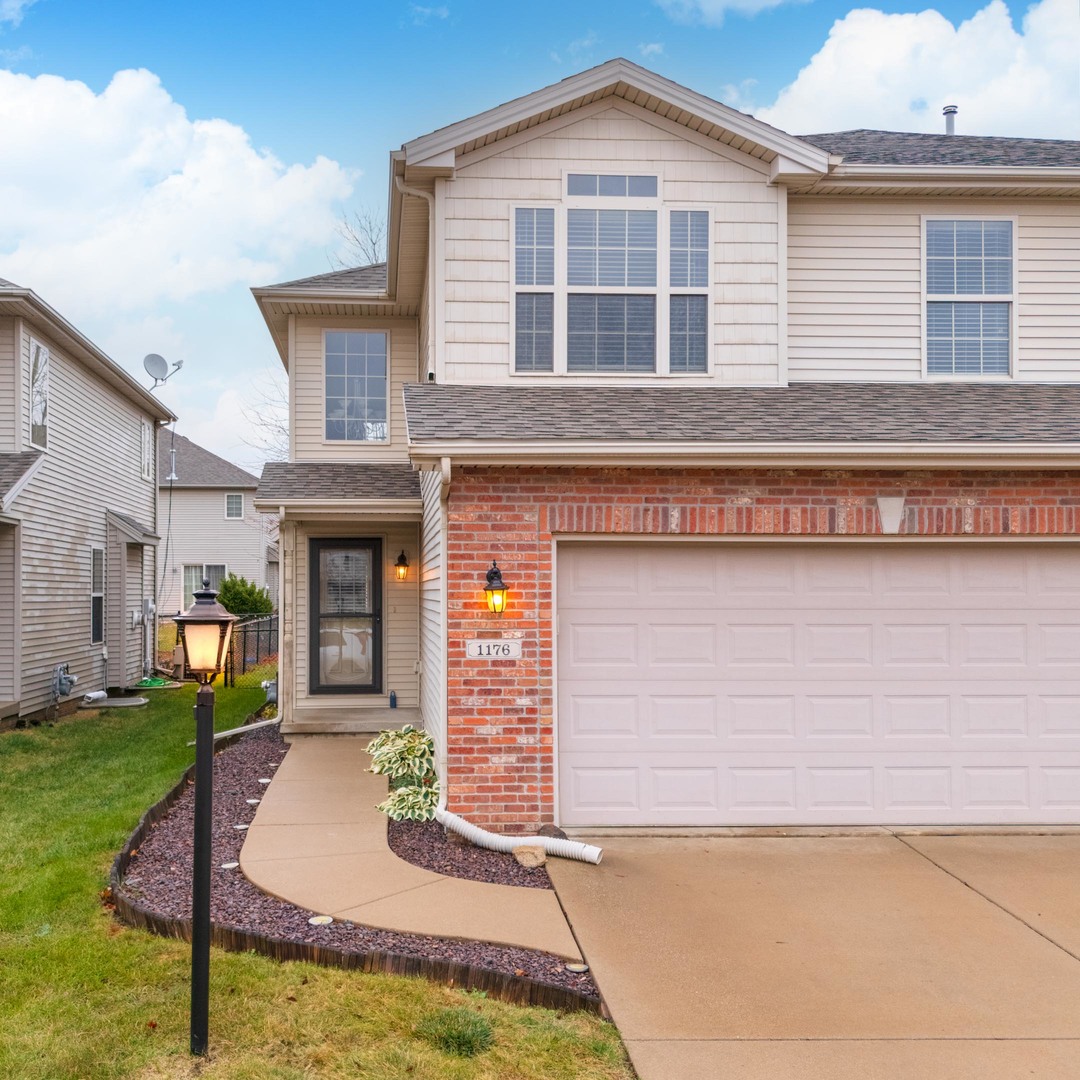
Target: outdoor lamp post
(204, 629)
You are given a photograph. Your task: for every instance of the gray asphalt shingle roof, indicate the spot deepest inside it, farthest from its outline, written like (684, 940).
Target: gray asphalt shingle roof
(13, 467)
(196, 467)
(286, 481)
(866, 147)
(366, 279)
(136, 527)
(802, 412)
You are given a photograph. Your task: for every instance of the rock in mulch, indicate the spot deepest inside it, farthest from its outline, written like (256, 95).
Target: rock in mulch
(159, 877)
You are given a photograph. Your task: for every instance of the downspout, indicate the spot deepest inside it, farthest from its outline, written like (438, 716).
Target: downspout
(552, 845)
(429, 374)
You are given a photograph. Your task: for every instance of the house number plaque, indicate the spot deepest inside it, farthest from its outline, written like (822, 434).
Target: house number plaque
(493, 649)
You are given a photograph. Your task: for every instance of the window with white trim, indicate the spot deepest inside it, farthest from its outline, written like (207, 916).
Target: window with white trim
(234, 506)
(196, 573)
(39, 395)
(356, 368)
(612, 282)
(967, 261)
(147, 433)
(97, 595)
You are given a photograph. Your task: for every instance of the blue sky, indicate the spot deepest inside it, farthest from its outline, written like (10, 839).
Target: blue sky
(167, 157)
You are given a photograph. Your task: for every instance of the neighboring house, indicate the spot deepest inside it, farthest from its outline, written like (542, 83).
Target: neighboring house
(775, 440)
(78, 510)
(209, 523)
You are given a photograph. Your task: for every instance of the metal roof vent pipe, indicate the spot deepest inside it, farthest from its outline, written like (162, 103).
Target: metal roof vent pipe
(949, 112)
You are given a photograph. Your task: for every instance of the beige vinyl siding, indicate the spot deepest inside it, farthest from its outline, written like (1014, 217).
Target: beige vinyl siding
(433, 610)
(93, 464)
(308, 388)
(8, 610)
(855, 301)
(9, 442)
(200, 533)
(134, 592)
(610, 138)
(401, 647)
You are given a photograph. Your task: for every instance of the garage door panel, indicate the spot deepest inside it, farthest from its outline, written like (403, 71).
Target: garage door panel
(930, 685)
(834, 789)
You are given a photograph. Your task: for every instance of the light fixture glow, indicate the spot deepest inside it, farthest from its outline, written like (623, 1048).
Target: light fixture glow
(401, 567)
(496, 590)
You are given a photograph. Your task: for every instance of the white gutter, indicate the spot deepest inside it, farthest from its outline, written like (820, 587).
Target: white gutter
(349, 507)
(745, 454)
(430, 286)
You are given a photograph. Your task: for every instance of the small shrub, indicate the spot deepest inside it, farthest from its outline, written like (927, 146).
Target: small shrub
(405, 753)
(243, 597)
(414, 802)
(458, 1031)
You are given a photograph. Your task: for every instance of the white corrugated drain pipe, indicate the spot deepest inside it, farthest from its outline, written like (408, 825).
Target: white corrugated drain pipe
(552, 845)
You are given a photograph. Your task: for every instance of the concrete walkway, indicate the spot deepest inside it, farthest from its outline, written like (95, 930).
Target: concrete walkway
(318, 842)
(874, 957)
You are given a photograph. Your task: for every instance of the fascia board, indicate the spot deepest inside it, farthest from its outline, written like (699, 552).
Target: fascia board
(587, 82)
(13, 492)
(89, 353)
(346, 507)
(1023, 172)
(314, 296)
(759, 454)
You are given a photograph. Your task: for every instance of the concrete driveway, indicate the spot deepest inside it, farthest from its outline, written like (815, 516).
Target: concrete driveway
(877, 957)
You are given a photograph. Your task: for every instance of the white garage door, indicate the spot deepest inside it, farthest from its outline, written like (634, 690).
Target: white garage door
(723, 684)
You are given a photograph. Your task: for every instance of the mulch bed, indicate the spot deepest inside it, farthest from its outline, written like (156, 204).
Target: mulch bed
(158, 878)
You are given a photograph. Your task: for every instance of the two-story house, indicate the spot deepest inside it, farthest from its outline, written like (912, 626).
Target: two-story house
(210, 527)
(78, 511)
(775, 441)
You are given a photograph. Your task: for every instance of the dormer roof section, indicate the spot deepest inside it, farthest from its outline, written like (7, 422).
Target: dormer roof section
(437, 153)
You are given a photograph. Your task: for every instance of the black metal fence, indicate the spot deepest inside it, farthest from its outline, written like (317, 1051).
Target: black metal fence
(253, 651)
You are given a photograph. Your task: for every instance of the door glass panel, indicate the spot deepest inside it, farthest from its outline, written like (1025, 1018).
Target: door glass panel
(346, 617)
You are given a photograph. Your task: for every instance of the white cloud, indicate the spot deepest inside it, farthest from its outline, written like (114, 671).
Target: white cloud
(421, 16)
(579, 50)
(12, 11)
(712, 12)
(653, 48)
(895, 72)
(118, 199)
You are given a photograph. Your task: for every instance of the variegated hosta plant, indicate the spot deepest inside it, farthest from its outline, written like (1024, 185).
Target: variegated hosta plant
(401, 754)
(414, 802)
(407, 758)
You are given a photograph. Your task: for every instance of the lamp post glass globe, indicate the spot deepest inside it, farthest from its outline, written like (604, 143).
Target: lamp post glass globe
(205, 631)
(495, 590)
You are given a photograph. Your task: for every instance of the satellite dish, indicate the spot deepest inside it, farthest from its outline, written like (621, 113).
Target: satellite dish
(158, 369)
(155, 366)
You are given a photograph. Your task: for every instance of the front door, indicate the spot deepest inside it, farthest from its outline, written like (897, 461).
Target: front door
(346, 617)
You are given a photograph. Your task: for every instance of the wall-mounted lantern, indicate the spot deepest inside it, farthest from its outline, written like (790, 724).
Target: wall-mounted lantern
(401, 567)
(495, 589)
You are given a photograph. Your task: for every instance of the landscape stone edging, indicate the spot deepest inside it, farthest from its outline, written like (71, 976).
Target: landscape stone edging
(504, 987)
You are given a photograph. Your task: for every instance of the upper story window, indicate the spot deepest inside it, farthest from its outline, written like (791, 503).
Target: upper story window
(147, 433)
(234, 506)
(968, 260)
(356, 364)
(612, 282)
(39, 395)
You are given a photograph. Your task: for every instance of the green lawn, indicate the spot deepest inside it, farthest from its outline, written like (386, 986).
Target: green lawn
(82, 997)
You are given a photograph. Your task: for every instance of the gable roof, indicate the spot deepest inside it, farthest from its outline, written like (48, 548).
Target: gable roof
(196, 467)
(918, 416)
(26, 304)
(615, 78)
(15, 472)
(867, 147)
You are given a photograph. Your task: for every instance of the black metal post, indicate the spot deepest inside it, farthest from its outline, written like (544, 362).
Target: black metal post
(200, 872)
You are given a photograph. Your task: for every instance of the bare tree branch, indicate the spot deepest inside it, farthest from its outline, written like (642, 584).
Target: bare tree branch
(364, 233)
(267, 412)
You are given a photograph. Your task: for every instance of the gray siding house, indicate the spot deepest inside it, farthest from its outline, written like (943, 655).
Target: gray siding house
(210, 527)
(78, 510)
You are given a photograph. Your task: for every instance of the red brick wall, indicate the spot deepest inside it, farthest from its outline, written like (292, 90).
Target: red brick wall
(500, 712)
